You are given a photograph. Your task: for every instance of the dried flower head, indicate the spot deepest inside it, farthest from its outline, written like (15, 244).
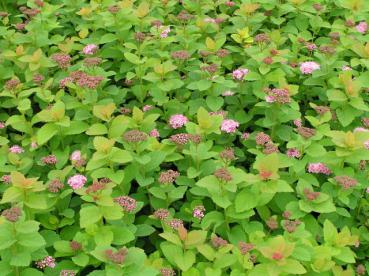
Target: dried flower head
(135, 136)
(262, 138)
(272, 223)
(55, 186)
(223, 175)
(227, 154)
(38, 79)
(92, 61)
(12, 214)
(345, 181)
(168, 177)
(75, 246)
(181, 55)
(310, 194)
(218, 241)
(306, 132)
(63, 60)
(12, 84)
(116, 257)
(180, 138)
(245, 247)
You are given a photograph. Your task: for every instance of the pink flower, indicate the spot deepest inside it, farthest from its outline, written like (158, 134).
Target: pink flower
(16, 149)
(154, 133)
(311, 46)
(177, 121)
(34, 145)
(361, 129)
(126, 202)
(164, 33)
(297, 123)
(362, 27)
(6, 178)
(209, 20)
(229, 126)
(2, 125)
(295, 153)
(346, 68)
(198, 212)
(245, 136)
(48, 261)
(76, 156)
(147, 107)
(309, 67)
(227, 93)
(77, 181)
(240, 73)
(367, 190)
(230, 3)
(64, 82)
(49, 160)
(366, 144)
(319, 168)
(90, 49)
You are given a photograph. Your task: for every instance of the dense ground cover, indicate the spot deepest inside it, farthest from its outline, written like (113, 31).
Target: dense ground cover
(190, 137)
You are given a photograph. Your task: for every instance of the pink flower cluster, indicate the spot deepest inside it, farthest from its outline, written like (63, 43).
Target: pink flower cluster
(16, 149)
(198, 212)
(77, 159)
(81, 79)
(178, 121)
(319, 168)
(154, 133)
(77, 181)
(309, 67)
(48, 261)
(229, 126)
(164, 33)
(240, 73)
(277, 95)
(90, 49)
(362, 27)
(127, 203)
(293, 152)
(366, 144)
(49, 160)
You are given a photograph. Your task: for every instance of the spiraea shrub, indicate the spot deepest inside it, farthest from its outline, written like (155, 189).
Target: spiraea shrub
(190, 137)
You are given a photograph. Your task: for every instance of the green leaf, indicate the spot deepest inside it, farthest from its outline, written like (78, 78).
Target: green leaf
(89, 215)
(245, 200)
(21, 259)
(329, 231)
(132, 58)
(81, 259)
(120, 156)
(27, 226)
(45, 133)
(12, 194)
(293, 267)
